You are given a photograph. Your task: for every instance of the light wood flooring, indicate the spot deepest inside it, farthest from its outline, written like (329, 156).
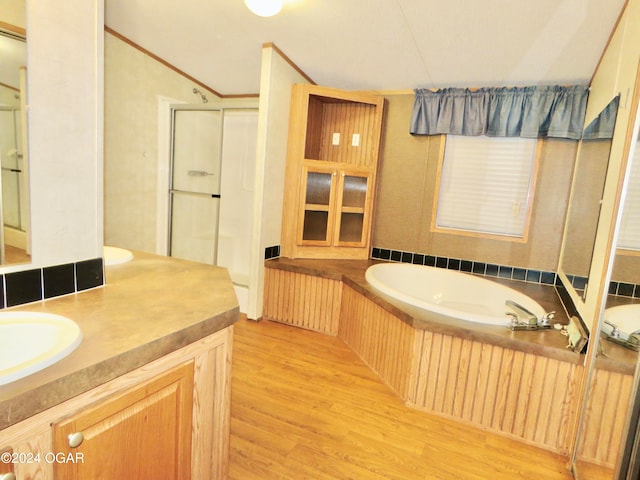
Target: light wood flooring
(305, 407)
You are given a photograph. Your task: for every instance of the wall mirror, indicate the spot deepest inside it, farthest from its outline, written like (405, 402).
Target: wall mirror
(617, 340)
(590, 172)
(14, 205)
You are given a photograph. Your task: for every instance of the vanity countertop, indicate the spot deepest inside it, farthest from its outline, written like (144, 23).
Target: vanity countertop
(549, 343)
(148, 308)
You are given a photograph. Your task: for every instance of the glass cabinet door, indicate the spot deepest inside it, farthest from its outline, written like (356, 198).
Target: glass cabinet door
(318, 215)
(352, 208)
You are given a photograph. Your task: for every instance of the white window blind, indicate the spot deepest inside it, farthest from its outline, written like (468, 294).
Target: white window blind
(629, 235)
(485, 184)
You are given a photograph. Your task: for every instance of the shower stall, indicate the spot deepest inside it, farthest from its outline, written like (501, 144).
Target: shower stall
(213, 153)
(14, 183)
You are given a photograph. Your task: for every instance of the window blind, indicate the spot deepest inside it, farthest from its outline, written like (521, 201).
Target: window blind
(485, 184)
(629, 235)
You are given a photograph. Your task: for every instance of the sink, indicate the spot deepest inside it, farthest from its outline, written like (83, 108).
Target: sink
(115, 255)
(32, 341)
(626, 319)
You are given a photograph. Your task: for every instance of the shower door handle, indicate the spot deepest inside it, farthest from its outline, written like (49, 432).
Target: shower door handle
(199, 173)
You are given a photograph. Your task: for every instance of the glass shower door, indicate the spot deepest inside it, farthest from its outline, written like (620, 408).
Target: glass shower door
(195, 184)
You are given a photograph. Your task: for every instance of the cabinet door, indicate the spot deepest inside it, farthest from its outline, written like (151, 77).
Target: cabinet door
(352, 208)
(144, 432)
(318, 210)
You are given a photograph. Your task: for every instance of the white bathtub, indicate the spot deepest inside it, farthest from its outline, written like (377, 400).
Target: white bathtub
(448, 292)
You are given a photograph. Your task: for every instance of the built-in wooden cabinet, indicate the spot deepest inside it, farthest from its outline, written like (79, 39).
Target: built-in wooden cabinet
(144, 432)
(332, 160)
(168, 419)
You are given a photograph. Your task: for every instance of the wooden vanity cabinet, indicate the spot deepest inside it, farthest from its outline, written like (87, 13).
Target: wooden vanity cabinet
(144, 432)
(332, 161)
(168, 419)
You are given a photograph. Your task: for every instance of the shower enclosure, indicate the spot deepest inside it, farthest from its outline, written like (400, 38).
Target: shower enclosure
(213, 155)
(14, 188)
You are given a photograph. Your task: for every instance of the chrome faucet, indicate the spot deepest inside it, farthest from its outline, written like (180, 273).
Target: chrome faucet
(529, 317)
(524, 319)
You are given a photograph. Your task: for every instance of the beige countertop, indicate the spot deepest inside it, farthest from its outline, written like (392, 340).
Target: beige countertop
(148, 307)
(548, 343)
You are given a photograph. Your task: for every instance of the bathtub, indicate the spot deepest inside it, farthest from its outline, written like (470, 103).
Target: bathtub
(448, 292)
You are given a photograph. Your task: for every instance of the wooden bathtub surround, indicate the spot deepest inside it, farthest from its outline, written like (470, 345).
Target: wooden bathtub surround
(519, 394)
(524, 385)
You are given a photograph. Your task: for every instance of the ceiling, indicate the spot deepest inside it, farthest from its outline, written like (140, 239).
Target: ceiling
(376, 44)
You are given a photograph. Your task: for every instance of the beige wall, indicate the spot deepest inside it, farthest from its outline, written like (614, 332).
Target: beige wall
(276, 77)
(133, 84)
(65, 88)
(406, 189)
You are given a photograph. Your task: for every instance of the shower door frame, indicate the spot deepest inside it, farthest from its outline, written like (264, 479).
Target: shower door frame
(171, 192)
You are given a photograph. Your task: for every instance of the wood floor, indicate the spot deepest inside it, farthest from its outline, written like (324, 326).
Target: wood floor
(305, 407)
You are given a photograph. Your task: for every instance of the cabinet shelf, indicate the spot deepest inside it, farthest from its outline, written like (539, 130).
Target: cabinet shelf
(316, 208)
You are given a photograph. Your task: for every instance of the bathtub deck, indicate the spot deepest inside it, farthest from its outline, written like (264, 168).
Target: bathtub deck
(304, 406)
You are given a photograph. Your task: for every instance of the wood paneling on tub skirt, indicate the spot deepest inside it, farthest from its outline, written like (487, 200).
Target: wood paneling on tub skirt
(382, 341)
(306, 301)
(601, 437)
(515, 393)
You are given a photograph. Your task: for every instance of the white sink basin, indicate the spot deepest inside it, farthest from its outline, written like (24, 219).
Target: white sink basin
(625, 317)
(115, 255)
(31, 341)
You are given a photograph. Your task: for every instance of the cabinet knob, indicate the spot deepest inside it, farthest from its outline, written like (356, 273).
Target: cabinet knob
(8, 476)
(75, 439)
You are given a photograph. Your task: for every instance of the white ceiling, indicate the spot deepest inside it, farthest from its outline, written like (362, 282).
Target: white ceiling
(376, 44)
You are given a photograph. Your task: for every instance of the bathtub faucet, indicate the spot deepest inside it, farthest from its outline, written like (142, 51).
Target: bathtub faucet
(524, 319)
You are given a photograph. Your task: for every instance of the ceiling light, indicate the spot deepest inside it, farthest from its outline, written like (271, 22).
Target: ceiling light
(264, 8)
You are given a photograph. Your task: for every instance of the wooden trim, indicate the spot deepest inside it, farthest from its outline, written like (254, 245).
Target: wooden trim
(173, 67)
(289, 61)
(14, 29)
(627, 253)
(9, 87)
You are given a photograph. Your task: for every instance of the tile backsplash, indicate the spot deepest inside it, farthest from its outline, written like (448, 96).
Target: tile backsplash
(501, 271)
(37, 284)
(479, 268)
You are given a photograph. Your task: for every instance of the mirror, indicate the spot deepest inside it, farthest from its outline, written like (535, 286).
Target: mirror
(590, 172)
(14, 207)
(616, 351)
(626, 269)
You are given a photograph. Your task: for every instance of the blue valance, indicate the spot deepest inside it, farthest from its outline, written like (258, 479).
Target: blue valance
(532, 112)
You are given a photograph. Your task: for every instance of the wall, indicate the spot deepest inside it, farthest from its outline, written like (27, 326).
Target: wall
(406, 191)
(133, 84)
(65, 90)
(277, 76)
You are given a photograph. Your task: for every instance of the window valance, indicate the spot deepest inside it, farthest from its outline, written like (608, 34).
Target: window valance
(531, 112)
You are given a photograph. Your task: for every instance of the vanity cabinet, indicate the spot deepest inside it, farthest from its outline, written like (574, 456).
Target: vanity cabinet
(332, 160)
(144, 432)
(168, 419)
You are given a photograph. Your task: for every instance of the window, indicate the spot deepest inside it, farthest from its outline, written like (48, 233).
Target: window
(486, 186)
